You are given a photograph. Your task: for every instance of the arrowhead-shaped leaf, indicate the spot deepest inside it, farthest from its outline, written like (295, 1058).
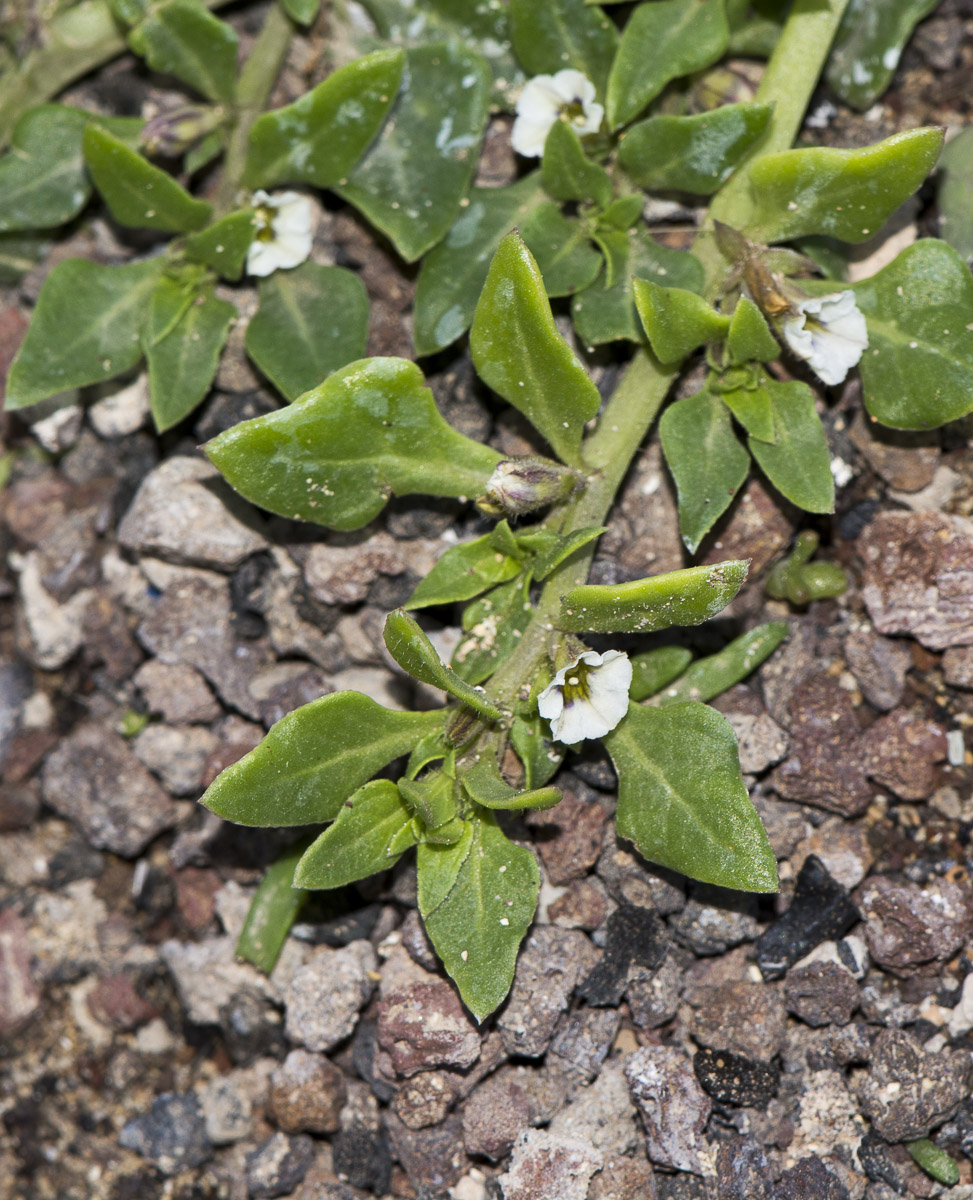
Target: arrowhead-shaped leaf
(484, 784)
(868, 45)
(42, 177)
(183, 363)
(562, 249)
(224, 244)
(797, 462)
(182, 38)
(563, 33)
(463, 572)
(676, 321)
(568, 173)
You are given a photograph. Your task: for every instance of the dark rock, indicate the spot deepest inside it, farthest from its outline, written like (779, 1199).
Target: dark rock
(593, 767)
(873, 1154)
(226, 409)
(277, 1166)
(584, 905)
(583, 1040)
(432, 1158)
(424, 1026)
(19, 805)
(425, 1099)
(251, 1027)
(365, 1055)
(901, 750)
(494, 1116)
(810, 1179)
(16, 685)
(339, 931)
(732, 1079)
(821, 910)
(715, 919)
(20, 997)
(913, 929)
(745, 1018)
(882, 1002)
(551, 963)
(906, 460)
(673, 1106)
(742, 1171)
(631, 880)
(907, 1092)
(361, 1154)
(879, 665)
(633, 937)
(307, 1094)
(568, 836)
(171, 1135)
(653, 998)
(821, 993)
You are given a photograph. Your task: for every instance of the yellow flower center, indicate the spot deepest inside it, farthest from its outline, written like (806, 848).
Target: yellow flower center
(575, 685)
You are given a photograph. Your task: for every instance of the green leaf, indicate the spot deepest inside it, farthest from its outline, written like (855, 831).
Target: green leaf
(312, 760)
(750, 339)
(711, 676)
(663, 40)
(555, 34)
(42, 176)
(453, 273)
(755, 26)
(493, 627)
(540, 755)
(320, 137)
(311, 321)
(934, 1161)
(479, 924)
(484, 784)
(605, 312)
(273, 910)
(706, 460)
(694, 154)
(752, 408)
(953, 197)
(204, 152)
(687, 597)
(168, 304)
(622, 213)
(463, 572)
(681, 798)
(798, 462)
(183, 363)
(560, 547)
(224, 244)
(357, 844)
(411, 182)
(19, 253)
(139, 194)
(868, 45)
(846, 194)
(414, 653)
(562, 250)
(302, 11)
(518, 351)
(182, 38)
(677, 321)
(652, 670)
(334, 456)
(433, 799)
(438, 866)
(566, 171)
(85, 328)
(917, 372)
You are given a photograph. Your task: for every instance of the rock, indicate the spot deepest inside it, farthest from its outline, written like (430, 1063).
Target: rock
(825, 767)
(56, 431)
(842, 849)
(654, 999)
(762, 742)
(185, 513)
(307, 1094)
(277, 1166)
(324, 997)
(624, 1179)
(820, 910)
(284, 686)
(360, 1153)
(20, 997)
(901, 750)
(906, 1092)
(544, 1165)
(551, 963)
(631, 880)
(227, 1104)
(434, 1159)
(115, 1003)
(583, 905)
(177, 754)
(745, 1018)
(811, 1180)
(733, 1079)
(124, 410)
(757, 526)
(743, 1172)
(425, 1026)
(583, 1040)
(95, 780)
(882, 1002)
(879, 665)
(425, 1099)
(826, 1120)
(918, 576)
(602, 1115)
(337, 574)
(171, 1135)
(177, 692)
(634, 937)
(570, 835)
(55, 630)
(906, 460)
(821, 993)
(911, 929)
(673, 1106)
(494, 1116)
(958, 666)
(715, 919)
(208, 978)
(644, 535)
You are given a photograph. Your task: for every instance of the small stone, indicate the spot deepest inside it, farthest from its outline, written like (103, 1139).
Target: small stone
(494, 1116)
(550, 965)
(633, 937)
(177, 692)
(912, 929)
(631, 880)
(820, 910)
(653, 1000)
(324, 997)
(584, 904)
(673, 1106)
(544, 1166)
(307, 1094)
(227, 1105)
(879, 665)
(958, 666)
(733, 1079)
(873, 1154)
(115, 1003)
(624, 1179)
(171, 1135)
(583, 1040)
(360, 1153)
(425, 1026)
(95, 780)
(811, 1180)
(186, 513)
(918, 576)
(277, 1166)
(901, 750)
(743, 1172)
(715, 919)
(208, 978)
(906, 1092)
(841, 847)
(570, 834)
(20, 997)
(177, 754)
(123, 411)
(821, 993)
(745, 1018)
(425, 1099)
(905, 460)
(57, 431)
(761, 741)
(434, 1159)
(55, 630)
(344, 574)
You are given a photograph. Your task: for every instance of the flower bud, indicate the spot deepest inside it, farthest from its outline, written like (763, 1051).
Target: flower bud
(172, 133)
(523, 484)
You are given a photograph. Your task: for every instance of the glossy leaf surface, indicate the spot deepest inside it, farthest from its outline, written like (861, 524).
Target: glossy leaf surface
(320, 137)
(334, 456)
(868, 46)
(183, 363)
(182, 38)
(845, 194)
(677, 321)
(652, 670)
(955, 189)
(463, 572)
(566, 171)
(563, 33)
(224, 244)
(85, 328)
(312, 760)
(686, 597)
(797, 462)
(484, 784)
(302, 11)
(412, 179)
(358, 843)
(311, 321)
(272, 912)
(518, 351)
(42, 176)
(706, 460)
(749, 338)
(682, 800)
(565, 257)
(711, 676)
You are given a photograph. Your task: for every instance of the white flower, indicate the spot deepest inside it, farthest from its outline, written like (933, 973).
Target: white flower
(567, 96)
(827, 332)
(588, 697)
(285, 230)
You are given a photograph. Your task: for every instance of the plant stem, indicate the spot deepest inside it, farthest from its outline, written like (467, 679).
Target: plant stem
(788, 83)
(257, 80)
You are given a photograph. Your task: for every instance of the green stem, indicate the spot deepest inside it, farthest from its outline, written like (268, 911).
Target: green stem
(257, 80)
(788, 83)
(608, 453)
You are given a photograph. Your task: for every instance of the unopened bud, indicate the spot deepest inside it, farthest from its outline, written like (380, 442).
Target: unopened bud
(174, 132)
(521, 485)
